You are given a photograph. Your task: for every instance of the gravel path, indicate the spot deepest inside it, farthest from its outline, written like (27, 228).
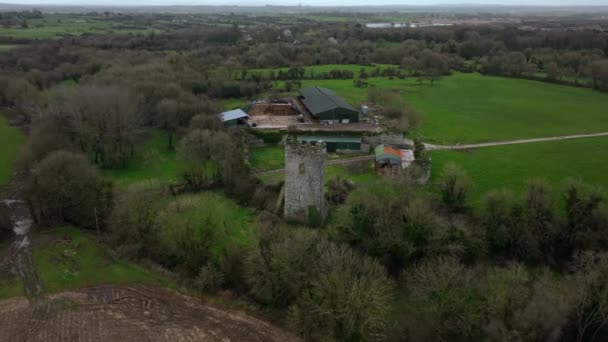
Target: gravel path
(432, 147)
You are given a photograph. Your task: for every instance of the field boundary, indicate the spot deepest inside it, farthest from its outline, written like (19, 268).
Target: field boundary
(433, 147)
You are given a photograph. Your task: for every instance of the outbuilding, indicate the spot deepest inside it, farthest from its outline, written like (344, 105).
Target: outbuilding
(234, 118)
(326, 106)
(390, 160)
(335, 144)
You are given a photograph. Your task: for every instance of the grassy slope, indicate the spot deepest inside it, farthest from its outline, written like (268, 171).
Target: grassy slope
(474, 108)
(511, 166)
(90, 265)
(152, 161)
(11, 140)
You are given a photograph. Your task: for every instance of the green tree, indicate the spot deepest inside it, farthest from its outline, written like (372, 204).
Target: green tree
(454, 187)
(64, 186)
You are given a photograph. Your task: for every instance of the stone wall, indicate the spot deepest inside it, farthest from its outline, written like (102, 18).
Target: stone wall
(304, 179)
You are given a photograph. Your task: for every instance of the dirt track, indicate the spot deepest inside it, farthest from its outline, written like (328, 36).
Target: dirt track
(127, 313)
(432, 147)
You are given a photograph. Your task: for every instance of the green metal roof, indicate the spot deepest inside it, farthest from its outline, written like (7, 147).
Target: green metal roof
(331, 139)
(319, 100)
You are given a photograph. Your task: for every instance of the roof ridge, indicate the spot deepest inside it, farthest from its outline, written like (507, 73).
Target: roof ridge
(329, 97)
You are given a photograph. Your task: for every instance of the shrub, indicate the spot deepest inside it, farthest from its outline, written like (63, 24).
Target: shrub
(134, 216)
(347, 298)
(194, 230)
(64, 186)
(454, 186)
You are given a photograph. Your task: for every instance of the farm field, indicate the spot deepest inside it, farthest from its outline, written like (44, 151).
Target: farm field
(7, 47)
(511, 166)
(314, 70)
(11, 140)
(84, 264)
(55, 26)
(470, 108)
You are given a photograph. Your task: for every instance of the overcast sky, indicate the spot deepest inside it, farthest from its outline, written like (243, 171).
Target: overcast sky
(311, 2)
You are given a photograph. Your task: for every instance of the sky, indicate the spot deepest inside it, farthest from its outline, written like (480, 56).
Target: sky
(311, 2)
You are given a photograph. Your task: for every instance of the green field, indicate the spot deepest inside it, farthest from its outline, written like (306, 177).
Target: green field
(55, 26)
(210, 209)
(314, 70)
(77, 261)
(511, 166)
(6, 47)
(267, 158)
(469, 108)
(153, 160)
(11, 140)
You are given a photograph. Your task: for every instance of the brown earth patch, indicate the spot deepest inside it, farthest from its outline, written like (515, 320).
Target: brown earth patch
(128, 313)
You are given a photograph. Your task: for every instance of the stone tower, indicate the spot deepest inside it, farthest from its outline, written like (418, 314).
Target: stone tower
(304, 173)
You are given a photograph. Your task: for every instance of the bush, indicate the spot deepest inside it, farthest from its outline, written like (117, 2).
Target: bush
(64, 186)
(269, 137)
(134, 216)
(454, 186)
(446, 293)
(347, 299)
(331, 291)
(314, 217)
(196, 230)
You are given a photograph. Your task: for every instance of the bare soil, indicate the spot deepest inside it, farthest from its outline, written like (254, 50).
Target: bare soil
(128, 313)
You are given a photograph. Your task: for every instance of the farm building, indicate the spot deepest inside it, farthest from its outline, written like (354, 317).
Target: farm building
(334, 143)
(390, 160)
(234, 118)
(326, 106)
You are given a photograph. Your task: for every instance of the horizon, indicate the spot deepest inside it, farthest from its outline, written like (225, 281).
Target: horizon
(312, 3)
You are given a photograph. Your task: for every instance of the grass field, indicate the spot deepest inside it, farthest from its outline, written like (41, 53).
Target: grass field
(314, 70)
(267, 158)
(511, 166)
(210, 209)
(6, 47)
(11, 140)
(474, 108)
(55, 26)
(73, 259)
(153, 160)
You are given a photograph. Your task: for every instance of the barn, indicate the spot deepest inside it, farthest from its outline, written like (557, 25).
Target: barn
(234, 118)
(326, 106)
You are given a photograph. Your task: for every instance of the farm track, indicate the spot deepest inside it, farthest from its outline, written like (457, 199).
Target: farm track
(127, 313)
(433, 147)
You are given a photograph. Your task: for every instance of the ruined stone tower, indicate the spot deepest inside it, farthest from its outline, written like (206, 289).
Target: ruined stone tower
(304, 173)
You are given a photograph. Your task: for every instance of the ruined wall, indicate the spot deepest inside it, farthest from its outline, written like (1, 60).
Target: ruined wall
(304, 179)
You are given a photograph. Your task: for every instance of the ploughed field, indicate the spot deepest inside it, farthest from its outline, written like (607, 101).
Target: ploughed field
(128, 313)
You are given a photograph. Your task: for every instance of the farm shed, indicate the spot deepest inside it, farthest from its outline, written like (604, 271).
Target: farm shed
(326, 106)
(334, 143)
(390, 160)
(234, 118)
